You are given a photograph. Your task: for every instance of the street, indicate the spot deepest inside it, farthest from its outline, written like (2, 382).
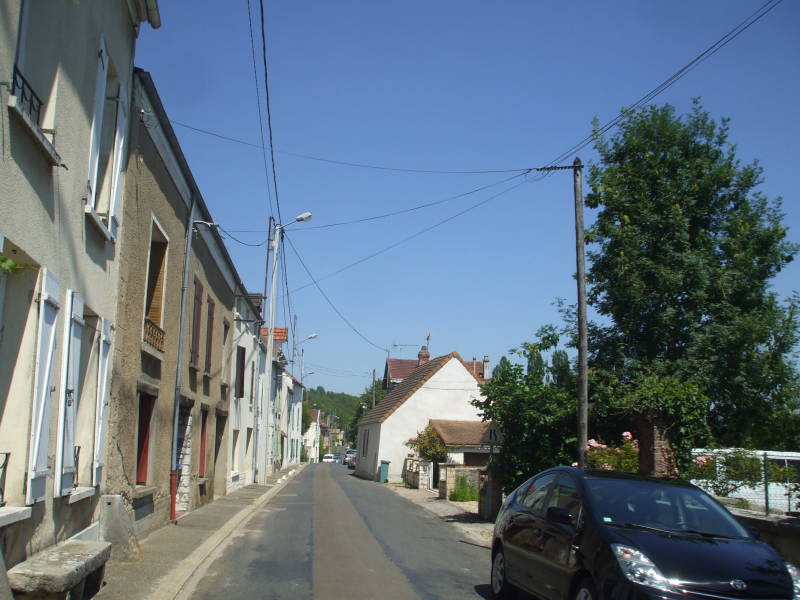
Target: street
(328, 534)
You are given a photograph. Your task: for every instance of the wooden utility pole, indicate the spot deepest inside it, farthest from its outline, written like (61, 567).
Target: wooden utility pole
(583, 345)
(373, 388)
(583, 334)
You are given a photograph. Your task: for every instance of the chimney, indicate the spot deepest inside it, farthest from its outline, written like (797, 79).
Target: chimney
(423, 356)
(486, 372)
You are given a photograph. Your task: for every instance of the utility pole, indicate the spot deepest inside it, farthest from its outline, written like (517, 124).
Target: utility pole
(373, 388)
(583, 344)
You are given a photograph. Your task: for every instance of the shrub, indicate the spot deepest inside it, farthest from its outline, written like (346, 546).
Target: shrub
(463, 491)
(620, 458)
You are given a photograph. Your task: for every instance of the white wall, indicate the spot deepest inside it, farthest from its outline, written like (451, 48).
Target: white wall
(446, 395)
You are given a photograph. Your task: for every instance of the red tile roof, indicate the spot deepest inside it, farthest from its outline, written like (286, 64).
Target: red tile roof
(460, 433)
(408, 387)
(476, 368)
(400, 368)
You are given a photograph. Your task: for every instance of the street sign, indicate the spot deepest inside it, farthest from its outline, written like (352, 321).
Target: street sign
(493, 436)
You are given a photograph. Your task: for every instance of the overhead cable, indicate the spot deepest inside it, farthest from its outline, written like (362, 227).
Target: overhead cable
(328, 300)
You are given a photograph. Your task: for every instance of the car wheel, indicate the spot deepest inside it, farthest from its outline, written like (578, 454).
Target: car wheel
(585, 590)
(500, 586)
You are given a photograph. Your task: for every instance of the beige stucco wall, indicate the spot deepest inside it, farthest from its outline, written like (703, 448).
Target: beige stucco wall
(42, 217)
(157, 195)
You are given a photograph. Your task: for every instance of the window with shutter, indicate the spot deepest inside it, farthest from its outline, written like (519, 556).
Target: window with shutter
(209, 334)
(49, 305)
(96, 135)
(201, 469)
(198, 308)
(155, 278)
(66, 459)
(118, 162)
(239, 393)
(101, 410)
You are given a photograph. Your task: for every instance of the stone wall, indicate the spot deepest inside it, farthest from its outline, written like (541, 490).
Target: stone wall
(448, 474)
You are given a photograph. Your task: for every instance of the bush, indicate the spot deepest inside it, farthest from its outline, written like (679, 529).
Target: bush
(464, 491)
(619, 458)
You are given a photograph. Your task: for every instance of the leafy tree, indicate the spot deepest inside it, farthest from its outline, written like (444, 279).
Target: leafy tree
(429, 445)
(363, 407)
(534, 406)
(306, 415)
(684, 251)
(341, 404)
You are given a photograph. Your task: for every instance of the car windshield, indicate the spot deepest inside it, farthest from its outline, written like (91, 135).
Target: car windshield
(660, 506)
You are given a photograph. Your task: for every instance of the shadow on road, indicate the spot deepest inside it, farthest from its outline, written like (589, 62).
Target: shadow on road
(484, 591)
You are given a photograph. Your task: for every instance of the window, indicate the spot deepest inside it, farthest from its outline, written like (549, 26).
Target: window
(106, 143)
(235, 451)
(565, 495)
(239, 392)
(194, 353)
(201, 469)
(365, 440)
(536, 493)
(209, 334)
(146, 405)
(154, 294)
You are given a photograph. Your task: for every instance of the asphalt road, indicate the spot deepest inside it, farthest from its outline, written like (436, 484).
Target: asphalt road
(329, 535)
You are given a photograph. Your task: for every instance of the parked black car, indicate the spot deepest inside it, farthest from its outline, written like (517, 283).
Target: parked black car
(571, 534)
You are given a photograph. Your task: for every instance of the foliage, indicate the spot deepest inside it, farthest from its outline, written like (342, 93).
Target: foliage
(428, 445)
(8, 265)
(363, 407)
(303, 454)
(306, 416)
(684, 252)
(342, 405)
(624, 457)
(463, 491)
(725, 472)
(534, 408)
(680, 406)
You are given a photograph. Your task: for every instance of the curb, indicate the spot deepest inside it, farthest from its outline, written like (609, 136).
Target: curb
(171, 585)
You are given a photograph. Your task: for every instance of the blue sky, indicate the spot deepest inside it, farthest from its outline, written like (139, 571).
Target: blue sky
(446, 85)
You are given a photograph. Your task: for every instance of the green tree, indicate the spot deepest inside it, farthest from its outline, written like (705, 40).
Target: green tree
(306, 415)
(534, 406)
(684, 251)
(428, 445)
(363, 406)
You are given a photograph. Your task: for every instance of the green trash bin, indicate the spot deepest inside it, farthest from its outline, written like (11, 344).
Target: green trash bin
(383, 474)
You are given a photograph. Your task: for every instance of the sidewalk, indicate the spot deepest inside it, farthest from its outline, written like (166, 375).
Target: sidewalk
(463, 515)
(171, 554)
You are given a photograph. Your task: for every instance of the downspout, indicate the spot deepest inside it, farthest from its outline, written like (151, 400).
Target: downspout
(173, 474)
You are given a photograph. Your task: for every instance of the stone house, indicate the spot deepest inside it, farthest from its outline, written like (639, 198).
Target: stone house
(183, 316)
(65, 97)
(439, 388)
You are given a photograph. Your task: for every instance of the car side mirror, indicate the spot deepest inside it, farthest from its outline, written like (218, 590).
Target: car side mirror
(557, 514)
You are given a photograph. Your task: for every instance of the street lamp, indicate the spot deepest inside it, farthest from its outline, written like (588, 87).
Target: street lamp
(276, 244)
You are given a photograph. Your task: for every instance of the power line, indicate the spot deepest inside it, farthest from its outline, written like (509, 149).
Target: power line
(260, 118)
(410, 237)
(328, 300)
(672, 79)
(238, 241)
(349, 163)
(406, 210)
(269, 112)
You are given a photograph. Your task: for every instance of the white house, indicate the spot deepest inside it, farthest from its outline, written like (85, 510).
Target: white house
(311, 437)
(441, 388)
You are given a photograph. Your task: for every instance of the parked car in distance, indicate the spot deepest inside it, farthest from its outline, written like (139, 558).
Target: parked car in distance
(337, 458)
(571, 534)
(350, 458)
(328, 458)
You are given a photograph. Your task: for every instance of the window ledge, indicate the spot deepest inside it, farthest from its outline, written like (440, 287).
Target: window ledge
(96, 220)
(44, 144)
(12, 514)
(80, 493)
(142, 491)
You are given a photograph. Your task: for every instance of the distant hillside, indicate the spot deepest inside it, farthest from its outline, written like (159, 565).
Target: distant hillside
(341, 404)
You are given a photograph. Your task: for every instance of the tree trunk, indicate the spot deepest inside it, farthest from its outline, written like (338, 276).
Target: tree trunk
(656, 457)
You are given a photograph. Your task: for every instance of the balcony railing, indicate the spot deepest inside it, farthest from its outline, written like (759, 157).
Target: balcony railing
(154, 335)
(28, 102)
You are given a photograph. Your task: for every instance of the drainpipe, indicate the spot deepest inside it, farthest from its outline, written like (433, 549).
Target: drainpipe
(173, 473)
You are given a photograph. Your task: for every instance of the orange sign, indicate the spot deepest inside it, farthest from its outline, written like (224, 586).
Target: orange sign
(281, 333)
